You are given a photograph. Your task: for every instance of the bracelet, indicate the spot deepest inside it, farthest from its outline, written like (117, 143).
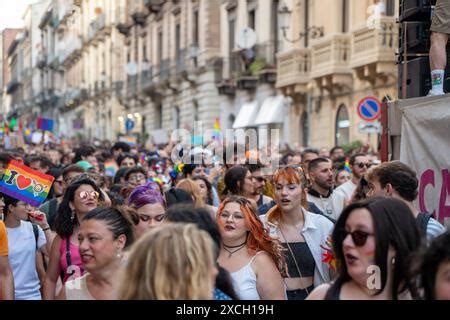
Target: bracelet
(45, 229)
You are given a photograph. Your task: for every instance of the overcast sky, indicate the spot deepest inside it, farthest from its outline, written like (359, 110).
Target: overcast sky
(11, 13)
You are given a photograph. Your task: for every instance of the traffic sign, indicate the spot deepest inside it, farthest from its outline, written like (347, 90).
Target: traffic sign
(369, 127)
(369, 108)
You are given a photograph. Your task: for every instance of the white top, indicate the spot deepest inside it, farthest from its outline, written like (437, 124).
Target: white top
(347, 189)
(316, 230)
(332, 206)
(77, 289)
(22, 258)
(244, 282)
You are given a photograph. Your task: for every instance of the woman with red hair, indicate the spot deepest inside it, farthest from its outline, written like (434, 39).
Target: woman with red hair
(302, 233)
(248, 252)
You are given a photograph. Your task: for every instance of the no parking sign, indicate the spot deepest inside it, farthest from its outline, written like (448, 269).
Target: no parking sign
(369, 108)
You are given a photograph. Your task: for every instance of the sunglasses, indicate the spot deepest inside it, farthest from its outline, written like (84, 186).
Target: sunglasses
(362, 165)
(359, 237)
(86, 194)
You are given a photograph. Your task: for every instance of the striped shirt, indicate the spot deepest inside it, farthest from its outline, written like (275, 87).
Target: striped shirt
(434, 229)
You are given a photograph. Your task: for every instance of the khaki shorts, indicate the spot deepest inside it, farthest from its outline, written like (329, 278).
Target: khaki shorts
(441, 18)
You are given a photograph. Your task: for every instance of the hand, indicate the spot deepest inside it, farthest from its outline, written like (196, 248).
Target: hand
(39, 218)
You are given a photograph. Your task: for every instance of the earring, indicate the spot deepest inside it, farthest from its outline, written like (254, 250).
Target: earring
(72, 216)
(119, 254)
(393, 261)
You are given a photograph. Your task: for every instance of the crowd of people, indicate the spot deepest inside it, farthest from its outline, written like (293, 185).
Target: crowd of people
(128, 223)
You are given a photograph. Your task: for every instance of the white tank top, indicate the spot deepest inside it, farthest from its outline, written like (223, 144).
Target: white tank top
(244, 281)
(77, 289)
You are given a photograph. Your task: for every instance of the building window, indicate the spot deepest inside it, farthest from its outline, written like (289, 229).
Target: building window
(196, 29)
(252, 19)
(160, 47)
(178, 42)
(159, 116)
(176, 117)
(342, 126)
(144, 52)
(345, 16)
(275, 30)
(196, 115)
(304, 125)
(390, 8)
(230, 121)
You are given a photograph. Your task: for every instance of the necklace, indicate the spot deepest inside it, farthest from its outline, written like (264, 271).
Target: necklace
(236, 248)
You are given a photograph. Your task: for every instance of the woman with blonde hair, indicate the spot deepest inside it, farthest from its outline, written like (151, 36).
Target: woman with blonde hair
(172, 262)
(192, 187)
(302, 233)
(248, 252)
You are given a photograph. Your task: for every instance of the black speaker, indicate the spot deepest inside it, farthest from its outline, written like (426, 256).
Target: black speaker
(418, 78)
(417, 37)
(415, 10)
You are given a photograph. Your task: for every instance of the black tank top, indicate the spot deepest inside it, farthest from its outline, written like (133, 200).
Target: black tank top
(304, 258)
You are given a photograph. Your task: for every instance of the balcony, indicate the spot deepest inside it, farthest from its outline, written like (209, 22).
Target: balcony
(96, 26)
(124, 29)
(294, 69)
(71, 51)
(154, 6)
(330, 61)
(12, 86)
(373, 49)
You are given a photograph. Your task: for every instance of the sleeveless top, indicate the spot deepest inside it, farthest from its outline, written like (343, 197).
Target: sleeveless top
(302, 256)
(244, 281)
(70, 256)
(77, 289)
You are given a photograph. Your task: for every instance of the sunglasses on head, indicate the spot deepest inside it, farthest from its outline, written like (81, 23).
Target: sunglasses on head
(359, 237)
(362, 165)
(86, 194)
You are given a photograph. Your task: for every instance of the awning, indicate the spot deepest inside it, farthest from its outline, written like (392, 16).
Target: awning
(246, 116)
(271, 111)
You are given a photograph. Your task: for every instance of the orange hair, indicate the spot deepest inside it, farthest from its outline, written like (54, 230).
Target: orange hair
(293, 175)
(258, 238)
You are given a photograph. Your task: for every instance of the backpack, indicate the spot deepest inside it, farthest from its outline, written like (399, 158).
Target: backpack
(422, 222)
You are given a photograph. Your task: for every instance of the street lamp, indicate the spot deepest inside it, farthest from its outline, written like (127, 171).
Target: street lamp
(313, 32)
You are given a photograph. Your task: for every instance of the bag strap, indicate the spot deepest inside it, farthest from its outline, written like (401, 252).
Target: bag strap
(36, 234)
(422, 222)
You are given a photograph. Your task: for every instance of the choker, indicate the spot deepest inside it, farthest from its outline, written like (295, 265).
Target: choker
(237, 248)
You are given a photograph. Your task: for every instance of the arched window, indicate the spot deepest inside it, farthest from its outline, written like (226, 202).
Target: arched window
(304, 125)
(342, 126)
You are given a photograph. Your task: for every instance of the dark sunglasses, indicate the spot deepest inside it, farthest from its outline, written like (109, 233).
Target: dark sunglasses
(362, 165)
(359, 237)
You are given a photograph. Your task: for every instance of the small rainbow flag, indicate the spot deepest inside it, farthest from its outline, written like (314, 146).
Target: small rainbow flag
(111, 168)
(25, 184)
(347, 166)
(217, 130)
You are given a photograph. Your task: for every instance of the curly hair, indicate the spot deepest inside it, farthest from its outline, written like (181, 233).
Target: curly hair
(258, 238)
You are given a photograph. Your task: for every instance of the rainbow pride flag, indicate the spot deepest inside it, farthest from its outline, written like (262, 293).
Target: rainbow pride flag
(25, 184)
(347, 166)
(217, 133)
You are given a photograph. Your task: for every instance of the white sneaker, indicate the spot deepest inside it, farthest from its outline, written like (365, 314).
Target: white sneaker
(433, 93)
